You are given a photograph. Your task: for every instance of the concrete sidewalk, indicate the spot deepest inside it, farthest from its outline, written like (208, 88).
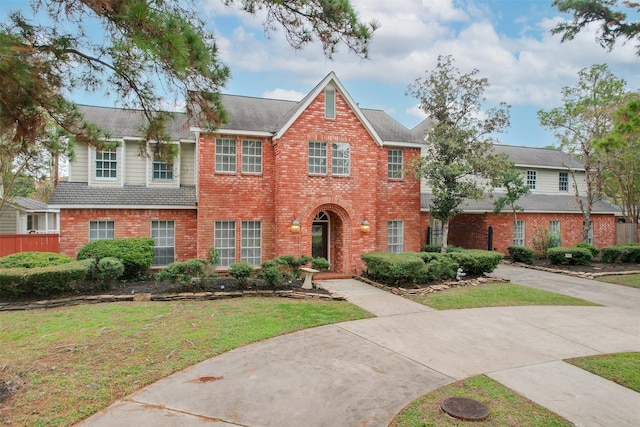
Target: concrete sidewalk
(362, 373)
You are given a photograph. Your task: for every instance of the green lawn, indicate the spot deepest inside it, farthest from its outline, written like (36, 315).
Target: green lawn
(632, 280)
(495, 295)
(69, 363)
(622, 368)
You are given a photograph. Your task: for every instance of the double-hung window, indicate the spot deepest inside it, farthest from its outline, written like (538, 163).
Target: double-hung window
(395, 237)
(224, 242)
(394, 164)
(340, 158)
(225, 155)
(101, 230)
(106, 164)
(162, 170)
(518, 233)
(317, 157)
(563, 181)
(251, 242)
(163, 234)
(532, 179)
(251, 156)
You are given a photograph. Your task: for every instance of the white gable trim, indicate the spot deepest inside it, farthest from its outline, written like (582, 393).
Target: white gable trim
(330, 78)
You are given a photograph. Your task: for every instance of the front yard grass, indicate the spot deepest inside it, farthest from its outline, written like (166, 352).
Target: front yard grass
(632, 280)
(621, 368)
(495, 295)
(66, 364)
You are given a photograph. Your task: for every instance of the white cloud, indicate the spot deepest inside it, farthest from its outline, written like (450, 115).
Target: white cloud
(287, 94)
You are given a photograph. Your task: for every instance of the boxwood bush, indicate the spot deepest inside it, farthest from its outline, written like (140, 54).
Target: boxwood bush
(621, 253)
(43, 281)
(109, 269)
(182, 271)
(439, 266)
(594, 251)
(241, 271)
(476, 262)
(395, 269)
(521, 254)
(577, 256)
(136, 254)
(33, 259)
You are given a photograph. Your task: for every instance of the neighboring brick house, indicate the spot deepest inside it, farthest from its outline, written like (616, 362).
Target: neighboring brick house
(551, 205)
(319, 177)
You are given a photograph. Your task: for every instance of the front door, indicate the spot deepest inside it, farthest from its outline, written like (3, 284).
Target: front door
(320, 236)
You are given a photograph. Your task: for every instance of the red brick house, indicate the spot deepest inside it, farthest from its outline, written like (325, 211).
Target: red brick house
(320, 177)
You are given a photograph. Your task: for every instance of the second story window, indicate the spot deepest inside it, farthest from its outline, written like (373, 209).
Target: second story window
(563, 181)
(340, 158)
(394, 164)
(532, 179)
(225, 155)
(162, 170)
(317, 157)
(330, 103)
(251, 156)
(106, 164)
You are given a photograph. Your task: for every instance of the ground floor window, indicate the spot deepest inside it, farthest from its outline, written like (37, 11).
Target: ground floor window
(163, 235)
(251, 242)
(101, 230)
(395, 237)
(518, 233)
(224, 242)
(554, 234)
(590, 233)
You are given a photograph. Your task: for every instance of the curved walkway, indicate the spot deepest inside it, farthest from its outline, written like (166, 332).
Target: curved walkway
(361, 373)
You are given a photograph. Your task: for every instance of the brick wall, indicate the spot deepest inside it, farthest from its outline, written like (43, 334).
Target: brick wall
(74, 227)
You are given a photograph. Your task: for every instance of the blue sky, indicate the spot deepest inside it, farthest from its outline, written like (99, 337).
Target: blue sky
(508, 41)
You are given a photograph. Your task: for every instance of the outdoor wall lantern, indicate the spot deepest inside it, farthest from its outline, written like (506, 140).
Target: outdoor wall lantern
(295, 226)
(365, 226)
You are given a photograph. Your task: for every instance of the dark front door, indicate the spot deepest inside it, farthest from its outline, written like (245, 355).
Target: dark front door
(320, 240)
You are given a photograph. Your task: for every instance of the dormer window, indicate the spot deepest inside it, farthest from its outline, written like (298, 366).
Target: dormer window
(330, 103)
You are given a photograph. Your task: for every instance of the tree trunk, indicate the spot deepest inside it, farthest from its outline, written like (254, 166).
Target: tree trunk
(445, 236)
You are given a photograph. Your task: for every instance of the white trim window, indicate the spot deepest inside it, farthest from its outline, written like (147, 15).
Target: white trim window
(518, 233)
(161, 169)
(329, 103)
(251, 156)
(163, 234)
(225, 155)
(340, 158)
(395, 167)
(395, 237)
(554, 227)
(106, 164)
(251, 242)
(590, 233)
(317, 158)
(532, 179)
(563, 181)
(224, 242)
(104, 229)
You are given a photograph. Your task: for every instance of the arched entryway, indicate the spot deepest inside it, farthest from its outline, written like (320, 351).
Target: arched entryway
(330, 236)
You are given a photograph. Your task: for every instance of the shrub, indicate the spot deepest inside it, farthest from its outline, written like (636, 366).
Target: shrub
(577, 256)
(290, 265)
(271, 274)
(594, 251)
(476, 262)
(543, 240)
(395, 269)
(440, 267)
(627, 252)
(109, 269)
(182, 271)
(50, 280)
(438, 248)
(522, 254)
(136, 254)
(320, 263)
(241, 271)
(33, 259)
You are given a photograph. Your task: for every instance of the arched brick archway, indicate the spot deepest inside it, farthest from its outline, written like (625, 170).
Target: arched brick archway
(337, 227)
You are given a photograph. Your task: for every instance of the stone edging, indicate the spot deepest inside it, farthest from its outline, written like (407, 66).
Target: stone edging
(581, 274)
(431, 288)
(183, 296)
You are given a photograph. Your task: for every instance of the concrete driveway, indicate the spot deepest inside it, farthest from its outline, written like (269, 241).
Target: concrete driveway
(362, 373)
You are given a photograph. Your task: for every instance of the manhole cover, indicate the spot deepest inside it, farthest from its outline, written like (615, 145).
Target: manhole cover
(464, 408)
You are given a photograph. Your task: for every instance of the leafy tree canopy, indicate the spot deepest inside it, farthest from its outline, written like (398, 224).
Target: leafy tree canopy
(613, 21)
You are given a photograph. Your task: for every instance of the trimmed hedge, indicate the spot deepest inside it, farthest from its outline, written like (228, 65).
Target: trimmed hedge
(136, 254)
(579, 256)
(395, 269)
(50, 280)
(241, 271)
(522, 254)
(621, 253)
(591, 248)
(476, 262)
(182, 271)
(33, 259)
(438, 248)
(439, 266)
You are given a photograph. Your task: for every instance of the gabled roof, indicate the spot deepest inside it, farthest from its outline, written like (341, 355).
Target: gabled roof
(123, 123)
(539, 157)
(256, 114)
(81, 195)
(26, 204)
(531, 203)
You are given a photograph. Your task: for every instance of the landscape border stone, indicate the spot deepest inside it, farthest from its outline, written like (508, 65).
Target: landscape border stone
(581, 274)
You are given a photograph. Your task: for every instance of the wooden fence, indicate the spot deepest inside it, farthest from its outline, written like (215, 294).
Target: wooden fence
(13, 243)
(626, 233)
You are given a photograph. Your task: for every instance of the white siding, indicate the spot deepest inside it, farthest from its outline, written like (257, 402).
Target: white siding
(136, 164)
(116, 182)
(78, 167)
(149, 170)
(187, 174)
(548, 181)
(8, 220)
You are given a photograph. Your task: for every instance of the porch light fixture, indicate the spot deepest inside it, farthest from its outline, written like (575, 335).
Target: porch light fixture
(365, 226)
(295, 226)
